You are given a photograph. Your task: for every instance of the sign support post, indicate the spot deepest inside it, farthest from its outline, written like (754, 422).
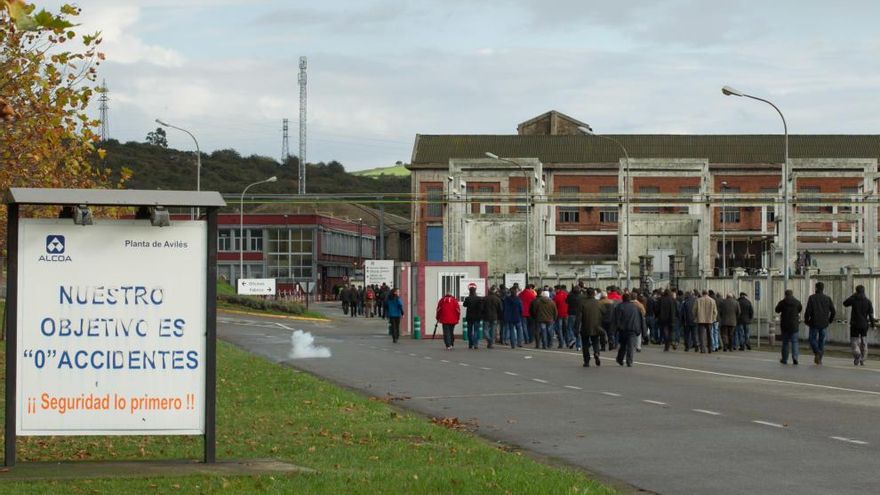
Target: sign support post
(11, 331)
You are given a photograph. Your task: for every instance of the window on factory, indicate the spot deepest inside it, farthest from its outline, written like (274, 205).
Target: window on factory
(434, 198)
(649, 190)
(228, 240)
(853, 192)
(488, 209)
(809, 205)
(290, 253)
(729, 213)
(568, 214)
(609, 214)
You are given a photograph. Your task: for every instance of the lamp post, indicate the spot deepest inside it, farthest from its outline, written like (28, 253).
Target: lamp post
(589, 132)
(723, 230)
(728, 91)
(241, 224)
(198, 155)
(528, 206)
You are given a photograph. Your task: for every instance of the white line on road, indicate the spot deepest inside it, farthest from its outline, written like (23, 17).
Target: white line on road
(573, 387)
(767, 423)
(463, 364)
(539, 380)
(655, 402)
(511, 373)
(477, 396)
(411, 354)
(444, 360)
(850, 440)
(706, 411)
(611, 394)
(282, 325)
(428, 357)
(485, 368)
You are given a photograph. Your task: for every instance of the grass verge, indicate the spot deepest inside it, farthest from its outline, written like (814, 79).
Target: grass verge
(358, 445)
(224, 288)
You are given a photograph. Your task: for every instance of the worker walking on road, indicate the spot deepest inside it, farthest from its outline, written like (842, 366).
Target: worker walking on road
(629, 323)
(448, 315)
(544, 312)
(474, 305)
(705, 314)
(818, 315)
(728, 314)
(588, 313)
(394, 310)
(860, 318)
(789, 310)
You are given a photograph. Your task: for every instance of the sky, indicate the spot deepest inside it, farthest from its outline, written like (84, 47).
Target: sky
(382, 71)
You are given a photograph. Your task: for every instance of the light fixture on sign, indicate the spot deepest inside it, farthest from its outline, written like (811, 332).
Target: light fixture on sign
(159, 217)
(82, 215)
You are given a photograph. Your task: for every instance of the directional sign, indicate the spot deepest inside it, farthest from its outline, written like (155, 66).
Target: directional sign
(256, 286)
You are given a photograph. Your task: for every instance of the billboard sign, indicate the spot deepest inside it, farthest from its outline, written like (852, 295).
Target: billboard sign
(515, 278)
(111, 328)
(465, 284)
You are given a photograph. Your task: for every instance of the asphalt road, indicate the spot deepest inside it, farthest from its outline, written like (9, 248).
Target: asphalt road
(674, 423)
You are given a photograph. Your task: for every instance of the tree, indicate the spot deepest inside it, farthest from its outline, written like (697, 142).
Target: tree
(46, 137)
(158, 138)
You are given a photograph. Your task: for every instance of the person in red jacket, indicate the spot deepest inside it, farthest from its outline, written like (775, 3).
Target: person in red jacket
(448, 315)
(527, 296)
(559, 299)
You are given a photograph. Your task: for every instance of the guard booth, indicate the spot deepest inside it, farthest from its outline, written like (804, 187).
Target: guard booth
(111, 324)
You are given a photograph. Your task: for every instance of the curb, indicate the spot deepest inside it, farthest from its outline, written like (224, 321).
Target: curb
(281, 317)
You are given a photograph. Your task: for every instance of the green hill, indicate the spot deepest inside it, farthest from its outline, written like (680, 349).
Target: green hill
(392, 171)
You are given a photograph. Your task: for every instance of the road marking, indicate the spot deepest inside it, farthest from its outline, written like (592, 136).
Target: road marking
(767, 423)
(539, 380)
(485, 368)
(850, 440)
(463, 364)
(511, 373)
(428, 357)
(282, 325)
(611, 394)
(655, 402)
(573, 387)
(444, 360)
(478, 396)
(705, 411)
(411, 354)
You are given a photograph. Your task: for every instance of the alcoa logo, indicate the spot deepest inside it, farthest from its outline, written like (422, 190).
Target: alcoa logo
(55, 249)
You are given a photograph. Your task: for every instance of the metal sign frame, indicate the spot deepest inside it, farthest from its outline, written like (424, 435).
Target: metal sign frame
(16, 197)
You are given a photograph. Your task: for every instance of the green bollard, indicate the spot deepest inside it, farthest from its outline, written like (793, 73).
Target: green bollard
(417, 328)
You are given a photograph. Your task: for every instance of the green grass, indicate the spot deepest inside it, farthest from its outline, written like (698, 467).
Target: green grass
(225, 288)
(357, 445)
(396, 170)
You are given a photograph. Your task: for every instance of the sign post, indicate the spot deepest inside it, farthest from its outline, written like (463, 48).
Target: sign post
(113, 330)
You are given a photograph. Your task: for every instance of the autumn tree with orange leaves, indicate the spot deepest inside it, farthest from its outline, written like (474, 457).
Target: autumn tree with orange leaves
(47, 77)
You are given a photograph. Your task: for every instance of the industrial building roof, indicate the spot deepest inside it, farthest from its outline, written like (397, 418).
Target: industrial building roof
(435, 150)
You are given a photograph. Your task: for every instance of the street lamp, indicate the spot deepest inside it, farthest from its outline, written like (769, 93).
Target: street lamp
(723, 230)
(728, 91)
(241, 224)
(589, 132)
(198, 155)
(528, 206)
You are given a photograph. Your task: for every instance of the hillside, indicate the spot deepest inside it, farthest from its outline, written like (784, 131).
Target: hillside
(393, 171)
(155, 167)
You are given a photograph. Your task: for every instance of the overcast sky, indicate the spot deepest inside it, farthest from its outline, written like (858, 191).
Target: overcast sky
(381, 71)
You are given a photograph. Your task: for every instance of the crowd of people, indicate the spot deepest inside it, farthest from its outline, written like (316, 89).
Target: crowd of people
(593, 321)
(373, 301)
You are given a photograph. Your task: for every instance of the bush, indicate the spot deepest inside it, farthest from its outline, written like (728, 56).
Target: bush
(257, 303)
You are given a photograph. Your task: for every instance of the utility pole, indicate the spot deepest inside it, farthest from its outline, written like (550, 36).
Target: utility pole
(105, 122)
(285, 143)
(302, 124)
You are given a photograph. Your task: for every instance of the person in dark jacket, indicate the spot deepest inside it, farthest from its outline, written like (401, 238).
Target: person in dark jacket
(629, 324)
(688, 322)
(746, 315)
(860, 318)
(474, 305)
(818, 315)
(543, 310)
(574, 335)
(394, 310)
(588, 313)
(789, 310)
(513, 330)
(492, 310)
(665, 310)
(728, 315)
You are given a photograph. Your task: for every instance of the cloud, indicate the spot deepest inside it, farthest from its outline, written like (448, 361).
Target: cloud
(118, 25)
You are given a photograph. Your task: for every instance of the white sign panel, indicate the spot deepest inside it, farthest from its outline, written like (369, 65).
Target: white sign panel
(515, 278)
(602, 271)
(256, 286)
(111, 328)
(378, 272)
(465, 285)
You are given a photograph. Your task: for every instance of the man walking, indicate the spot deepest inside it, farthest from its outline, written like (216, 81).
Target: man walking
(818, 315)
(527, 297)
(588, 313)
(666, 309)
(860, 318)
(544, 313)
(394, 310)
(789, 310)
(629, 323)
(474, 305)
(560, 299)
(728, 314)
(689, 322)
(491, 316)
(513, 319)
(448, 315)
(705, 313)
(746, 315)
